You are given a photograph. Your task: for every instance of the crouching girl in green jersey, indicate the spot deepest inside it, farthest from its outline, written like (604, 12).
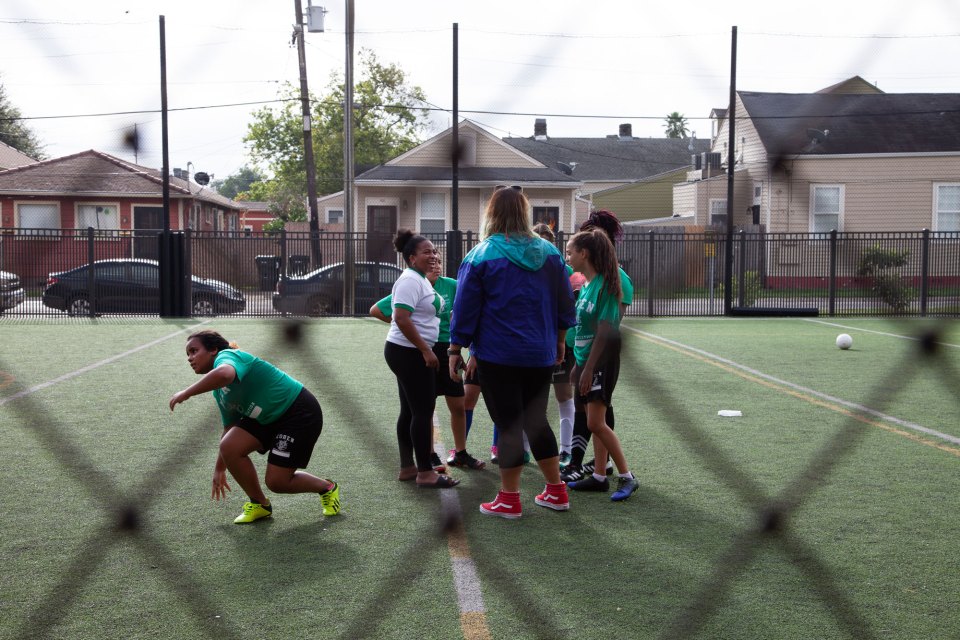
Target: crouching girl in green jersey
(263, 409)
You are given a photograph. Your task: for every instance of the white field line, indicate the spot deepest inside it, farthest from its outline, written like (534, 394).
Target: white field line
(473, 611)
(91, 367)
(879, 333)
(796, 387)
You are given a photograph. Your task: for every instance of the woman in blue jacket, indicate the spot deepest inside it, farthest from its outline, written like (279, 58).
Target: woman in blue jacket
(513, 308)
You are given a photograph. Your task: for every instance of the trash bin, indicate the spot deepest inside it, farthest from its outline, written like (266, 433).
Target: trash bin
(268, 268)
(298, 265)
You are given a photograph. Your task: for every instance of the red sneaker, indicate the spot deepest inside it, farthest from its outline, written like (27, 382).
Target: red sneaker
(505, 505)
(554, 497)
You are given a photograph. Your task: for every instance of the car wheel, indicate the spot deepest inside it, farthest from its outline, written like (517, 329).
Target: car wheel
(78, 306)
(203, 307)
(320, 306)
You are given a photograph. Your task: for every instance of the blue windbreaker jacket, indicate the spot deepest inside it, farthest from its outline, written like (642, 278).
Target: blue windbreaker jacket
(513, 296)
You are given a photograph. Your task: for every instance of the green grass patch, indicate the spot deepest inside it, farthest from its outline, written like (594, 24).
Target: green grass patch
(868, 538)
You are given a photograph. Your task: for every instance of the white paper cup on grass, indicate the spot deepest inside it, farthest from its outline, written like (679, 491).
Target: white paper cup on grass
(729, 413)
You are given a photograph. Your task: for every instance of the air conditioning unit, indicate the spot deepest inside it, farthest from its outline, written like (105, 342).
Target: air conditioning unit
(711, 160)
(696, 161)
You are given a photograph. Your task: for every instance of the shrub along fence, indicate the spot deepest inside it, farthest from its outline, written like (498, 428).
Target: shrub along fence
(675, 271)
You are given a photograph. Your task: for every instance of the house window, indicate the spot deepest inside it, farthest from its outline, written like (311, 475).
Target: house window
(195, 216)
(946, 216)
(718, 213)
(334, 216)
(433, 214)
(44, 217)
(98, 216)
(826, 208)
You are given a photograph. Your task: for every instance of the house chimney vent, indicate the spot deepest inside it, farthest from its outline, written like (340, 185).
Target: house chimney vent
(626, 131)
(540, 129)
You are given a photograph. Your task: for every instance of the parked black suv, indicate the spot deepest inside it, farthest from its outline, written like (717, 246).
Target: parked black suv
(11, 293)
(320, 292)
(132, 286)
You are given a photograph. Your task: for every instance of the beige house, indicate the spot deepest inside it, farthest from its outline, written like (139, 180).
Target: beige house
(849, 158)
(414, 189)
(11, 158)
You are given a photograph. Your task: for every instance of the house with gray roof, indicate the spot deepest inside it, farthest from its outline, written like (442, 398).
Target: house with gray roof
(414, 190)
(844, 158)
(43, 202)
(607, 166)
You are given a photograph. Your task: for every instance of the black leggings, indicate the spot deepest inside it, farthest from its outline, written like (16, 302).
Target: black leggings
(516, 398)
(418, 398)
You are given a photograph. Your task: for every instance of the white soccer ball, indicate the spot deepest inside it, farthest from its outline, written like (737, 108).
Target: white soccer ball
(844, 341)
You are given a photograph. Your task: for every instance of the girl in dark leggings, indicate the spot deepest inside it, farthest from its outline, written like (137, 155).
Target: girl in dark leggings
(414, 328)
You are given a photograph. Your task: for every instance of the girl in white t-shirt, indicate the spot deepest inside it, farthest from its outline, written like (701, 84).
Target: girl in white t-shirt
(414, 328)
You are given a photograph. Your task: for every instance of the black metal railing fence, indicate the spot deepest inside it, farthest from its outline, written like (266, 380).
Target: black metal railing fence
(675, 272)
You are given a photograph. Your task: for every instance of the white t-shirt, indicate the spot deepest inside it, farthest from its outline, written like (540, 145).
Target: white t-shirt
(413, 292)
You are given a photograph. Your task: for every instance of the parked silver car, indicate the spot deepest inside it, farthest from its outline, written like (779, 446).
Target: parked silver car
(11, 293)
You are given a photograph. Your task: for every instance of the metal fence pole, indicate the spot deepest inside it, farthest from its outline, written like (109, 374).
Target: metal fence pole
(832, 284)
(742, 270)
(924, 271)
(651, 244)
(91, 276)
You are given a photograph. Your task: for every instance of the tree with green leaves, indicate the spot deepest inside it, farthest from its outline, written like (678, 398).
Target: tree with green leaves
(14, 132)
(239, 182)
(677, 126)
(388, 120)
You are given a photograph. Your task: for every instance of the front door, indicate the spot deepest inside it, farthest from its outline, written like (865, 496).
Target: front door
(548, 215)
(147, 223)
(381, 227)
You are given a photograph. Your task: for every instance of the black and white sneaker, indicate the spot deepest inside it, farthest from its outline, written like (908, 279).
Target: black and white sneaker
(590, 466)
(572, 473)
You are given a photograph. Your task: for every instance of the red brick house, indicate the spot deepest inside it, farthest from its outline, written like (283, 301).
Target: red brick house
(45, 205)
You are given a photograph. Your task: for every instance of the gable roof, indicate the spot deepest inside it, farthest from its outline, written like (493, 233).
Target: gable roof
(856, 84)
(855, 123)
(94, 173)
(404, 167)
(612, 159)
(10, 157)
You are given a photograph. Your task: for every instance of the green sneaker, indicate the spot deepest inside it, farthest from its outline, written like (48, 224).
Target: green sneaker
(330, 499)
(253, 511)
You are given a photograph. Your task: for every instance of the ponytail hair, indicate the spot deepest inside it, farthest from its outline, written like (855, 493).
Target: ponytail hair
(211, 340)
(406, 243)
(602, 258)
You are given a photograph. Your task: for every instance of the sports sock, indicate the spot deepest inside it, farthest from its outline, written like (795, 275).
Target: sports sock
(599, 478)
(581, 436)
(496, 434)
(628, 474)
(469, 413)
(566, 424)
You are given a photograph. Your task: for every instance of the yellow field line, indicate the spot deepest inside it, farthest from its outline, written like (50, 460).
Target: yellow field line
(805, 397)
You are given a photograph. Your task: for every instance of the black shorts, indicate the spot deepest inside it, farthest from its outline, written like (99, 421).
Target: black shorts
(446, 386)
(474, 379)
(604, 381)
(291, 438)
(561, 373)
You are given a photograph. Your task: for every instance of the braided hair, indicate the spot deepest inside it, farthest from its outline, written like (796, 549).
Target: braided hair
(607, 221)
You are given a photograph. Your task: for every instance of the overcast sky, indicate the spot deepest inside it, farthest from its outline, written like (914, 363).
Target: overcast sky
(585, 66)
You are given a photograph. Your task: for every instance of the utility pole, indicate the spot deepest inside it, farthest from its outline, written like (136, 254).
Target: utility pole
(307, 137)
(348, 205)
(731, 159)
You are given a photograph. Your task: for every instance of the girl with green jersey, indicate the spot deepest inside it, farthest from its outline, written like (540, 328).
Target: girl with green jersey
(597, 354)
(262, 409)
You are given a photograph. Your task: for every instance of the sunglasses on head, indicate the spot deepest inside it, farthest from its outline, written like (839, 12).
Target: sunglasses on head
(515, 187)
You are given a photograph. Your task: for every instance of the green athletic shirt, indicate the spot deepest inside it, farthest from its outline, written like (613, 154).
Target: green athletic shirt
(626, 286)
(260, 391)
(447, 288)
(594, 306)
